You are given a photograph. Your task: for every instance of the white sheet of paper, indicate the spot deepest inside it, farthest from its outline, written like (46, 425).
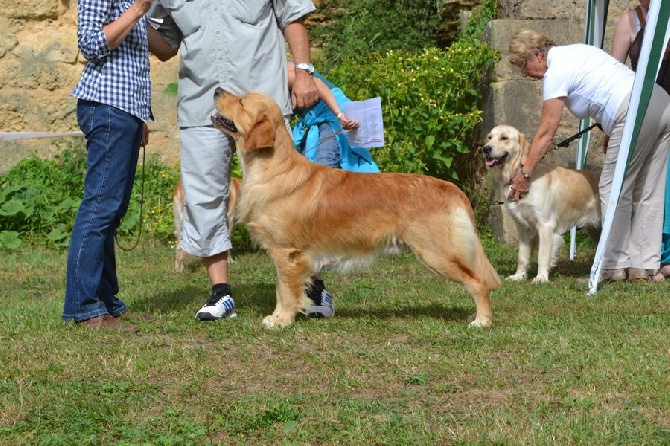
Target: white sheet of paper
(370, 132)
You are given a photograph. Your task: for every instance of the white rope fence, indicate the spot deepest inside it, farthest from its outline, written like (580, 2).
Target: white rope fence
(15, 136)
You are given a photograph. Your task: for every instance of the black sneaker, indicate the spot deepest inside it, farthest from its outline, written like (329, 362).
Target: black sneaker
(322, 302)
(219, 306)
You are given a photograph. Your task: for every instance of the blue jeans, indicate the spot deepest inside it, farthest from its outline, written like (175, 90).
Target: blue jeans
(328, 152)
(113, 139)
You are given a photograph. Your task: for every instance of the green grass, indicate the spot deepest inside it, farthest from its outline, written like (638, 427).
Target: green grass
(397, 366)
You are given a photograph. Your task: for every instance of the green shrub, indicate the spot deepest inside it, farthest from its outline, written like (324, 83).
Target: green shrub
(429, 102)
(430, 97)
(39, 199)
(357, 27)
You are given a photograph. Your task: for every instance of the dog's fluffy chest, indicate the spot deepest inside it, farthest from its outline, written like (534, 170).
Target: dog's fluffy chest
(524, 211)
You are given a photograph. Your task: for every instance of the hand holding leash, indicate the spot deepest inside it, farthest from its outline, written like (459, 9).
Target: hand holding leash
(520, 187)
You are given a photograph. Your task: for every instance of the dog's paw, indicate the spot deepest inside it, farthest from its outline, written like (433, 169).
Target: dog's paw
(270, 322)
(541, 279)
(475, 323)
(518, 277)
(274, 322)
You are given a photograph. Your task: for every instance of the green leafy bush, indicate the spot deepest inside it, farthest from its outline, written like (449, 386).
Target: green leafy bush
(430, 97)
(357, 27)
(429, 102)
(39, 199)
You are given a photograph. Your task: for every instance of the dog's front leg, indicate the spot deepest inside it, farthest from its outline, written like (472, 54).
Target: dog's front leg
(523, 258)
(545, 253)
(292, 272)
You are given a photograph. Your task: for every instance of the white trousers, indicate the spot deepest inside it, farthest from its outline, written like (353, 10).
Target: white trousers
(635, 237)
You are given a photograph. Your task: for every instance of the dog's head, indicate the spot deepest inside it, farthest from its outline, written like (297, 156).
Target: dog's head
(251, 119)
(505, 149)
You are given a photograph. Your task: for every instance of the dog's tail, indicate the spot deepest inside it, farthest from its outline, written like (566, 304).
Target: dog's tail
(485, 269)
(479, 265)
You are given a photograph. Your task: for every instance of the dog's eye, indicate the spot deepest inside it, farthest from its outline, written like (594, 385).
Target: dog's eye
(504, 138)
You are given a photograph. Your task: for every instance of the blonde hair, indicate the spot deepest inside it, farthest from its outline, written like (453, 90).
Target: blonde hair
(524, 44)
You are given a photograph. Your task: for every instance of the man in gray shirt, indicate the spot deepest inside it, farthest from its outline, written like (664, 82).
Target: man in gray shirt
(239, 46)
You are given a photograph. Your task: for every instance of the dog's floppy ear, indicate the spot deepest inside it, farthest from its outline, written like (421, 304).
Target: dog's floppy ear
(261, 135)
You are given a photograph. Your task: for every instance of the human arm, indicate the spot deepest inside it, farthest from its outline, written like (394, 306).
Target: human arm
(624, 35)
(552, 109)
(116, 31)
(145, 134)
(165, 37)
(160, 47)
(96, 37)
(304, 92)
(326, 96)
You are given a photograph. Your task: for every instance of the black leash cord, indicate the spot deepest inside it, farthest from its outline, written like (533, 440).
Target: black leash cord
(139, 234)
(566, 142)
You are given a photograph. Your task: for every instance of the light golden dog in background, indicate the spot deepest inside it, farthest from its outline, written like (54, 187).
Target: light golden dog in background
(558, 199)
(178, 203)
(307, 215)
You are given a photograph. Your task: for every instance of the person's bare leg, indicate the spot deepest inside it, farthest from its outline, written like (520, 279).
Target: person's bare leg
(217, 268)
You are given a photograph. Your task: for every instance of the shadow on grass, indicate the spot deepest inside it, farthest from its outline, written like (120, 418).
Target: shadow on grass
(260, 298)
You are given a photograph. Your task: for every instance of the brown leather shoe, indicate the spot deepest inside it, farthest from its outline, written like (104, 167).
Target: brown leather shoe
(107, 322)
(136, 315)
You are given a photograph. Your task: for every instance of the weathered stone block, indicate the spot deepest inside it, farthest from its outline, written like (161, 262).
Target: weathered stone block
(29, 9)
(502, 224)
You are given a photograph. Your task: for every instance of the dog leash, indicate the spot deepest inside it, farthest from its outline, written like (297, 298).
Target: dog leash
(139, 234)
(321, 141)
(567, 141)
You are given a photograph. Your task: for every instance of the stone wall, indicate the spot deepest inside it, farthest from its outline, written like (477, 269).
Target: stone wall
(39, 66)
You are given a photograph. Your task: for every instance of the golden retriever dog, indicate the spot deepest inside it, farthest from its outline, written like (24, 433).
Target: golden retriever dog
(306, 215)
(178, 203)
(558, 199)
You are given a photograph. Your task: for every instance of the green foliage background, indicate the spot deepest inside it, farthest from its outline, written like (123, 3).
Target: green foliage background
(39, 199)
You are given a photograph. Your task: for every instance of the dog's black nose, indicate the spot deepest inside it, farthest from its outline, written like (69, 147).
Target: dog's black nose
(487, 149)
(218, 91)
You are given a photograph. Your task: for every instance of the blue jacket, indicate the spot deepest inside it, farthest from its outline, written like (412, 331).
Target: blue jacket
(306, 134)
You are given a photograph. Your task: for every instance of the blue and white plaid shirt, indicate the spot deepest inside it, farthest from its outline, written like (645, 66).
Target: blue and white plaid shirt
(118, 78)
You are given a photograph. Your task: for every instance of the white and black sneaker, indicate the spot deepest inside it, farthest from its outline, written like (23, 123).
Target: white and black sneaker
(322, 302)
(220, 306)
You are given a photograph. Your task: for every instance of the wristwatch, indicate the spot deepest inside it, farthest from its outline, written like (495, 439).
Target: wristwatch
(305, 66)
(526, 175)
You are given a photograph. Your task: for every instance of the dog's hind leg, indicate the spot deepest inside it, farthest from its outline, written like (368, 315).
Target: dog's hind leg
(453, 268)
(293, 270)
(460, 257)
(178, 210)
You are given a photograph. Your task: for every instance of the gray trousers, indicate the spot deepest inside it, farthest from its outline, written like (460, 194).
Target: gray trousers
(205, 158)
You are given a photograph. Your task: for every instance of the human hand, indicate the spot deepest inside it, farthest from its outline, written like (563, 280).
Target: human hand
(519, 187)
(145, 134)
(143, 5)
(347, 124)
(304, 93)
